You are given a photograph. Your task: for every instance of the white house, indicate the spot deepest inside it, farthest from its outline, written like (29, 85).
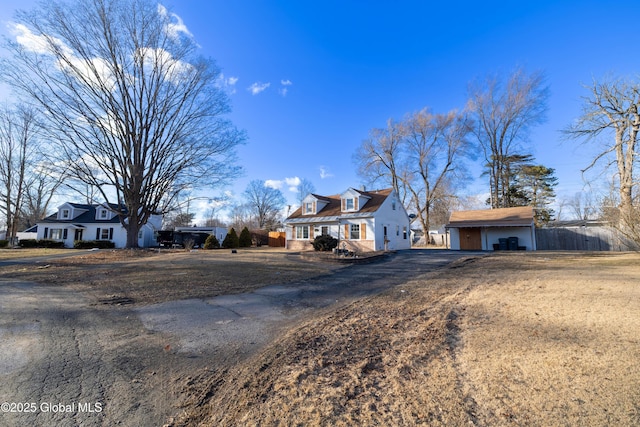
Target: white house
(361, 221)
(74, 221)
(493, 229)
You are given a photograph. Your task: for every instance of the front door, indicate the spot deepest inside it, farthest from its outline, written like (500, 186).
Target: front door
(78, 234)
(470, 239)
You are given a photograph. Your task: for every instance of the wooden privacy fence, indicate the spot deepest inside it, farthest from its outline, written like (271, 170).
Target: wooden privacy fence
(581, 239)
(277, 239)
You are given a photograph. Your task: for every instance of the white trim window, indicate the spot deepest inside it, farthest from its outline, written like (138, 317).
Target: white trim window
(104, 234)
(65, 213)
(55, 234)
(302, 232)
(104, 214)
(349, 204)
(354, 232)
(308, 208)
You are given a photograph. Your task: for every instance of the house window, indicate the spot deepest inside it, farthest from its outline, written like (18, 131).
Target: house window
(140, 234)
(302, 232)
(325, 230)
(349, 205)
(55, 234)
(104, 214)
(393, 205)
(65, 214)
(308, 207)
(397, 230)
(104, 234)
(354, 232)
(404, 233)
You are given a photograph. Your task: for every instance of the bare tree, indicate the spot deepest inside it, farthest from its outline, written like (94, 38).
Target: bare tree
(611, 112)
(126, 95)
(379, 155)
(583, 206)
(265, 203)
(433, 144)
(18, 147)
(417, 157)
(504, 113)
(42, 185)
(305, 188)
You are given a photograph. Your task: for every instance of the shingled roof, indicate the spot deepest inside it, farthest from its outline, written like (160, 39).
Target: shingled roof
(503, 217)
(334, 206)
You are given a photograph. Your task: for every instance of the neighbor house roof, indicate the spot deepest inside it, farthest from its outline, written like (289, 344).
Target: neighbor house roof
(334, 205)
(86, 217)
(503, 217)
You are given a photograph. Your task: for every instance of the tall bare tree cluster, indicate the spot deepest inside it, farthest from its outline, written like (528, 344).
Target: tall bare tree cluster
(419, 157)
(137, 114)
(27, 184)
(264, 203)
(611, 118)
(504, 111)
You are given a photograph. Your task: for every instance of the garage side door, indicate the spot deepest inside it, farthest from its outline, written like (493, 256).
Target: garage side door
(470, 239)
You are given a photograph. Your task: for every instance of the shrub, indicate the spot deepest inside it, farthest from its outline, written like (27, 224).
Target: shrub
(44, 243)
(245, 238)
(4, 243)
(211, 242)
(324, 243)
(90, 244)
(231, 241)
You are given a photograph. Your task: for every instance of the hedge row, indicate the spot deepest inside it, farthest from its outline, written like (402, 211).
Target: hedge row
(43, 243)
(90, 244)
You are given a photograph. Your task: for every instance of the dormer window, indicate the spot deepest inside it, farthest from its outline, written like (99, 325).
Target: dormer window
(65, 214)
(104, 214)
(349, 204)
(308, 208)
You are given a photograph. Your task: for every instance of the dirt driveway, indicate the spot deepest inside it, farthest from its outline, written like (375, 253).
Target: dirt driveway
(69, 359)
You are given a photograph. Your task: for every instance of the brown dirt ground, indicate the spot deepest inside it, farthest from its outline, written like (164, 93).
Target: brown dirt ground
(149, 276)
(509, 339)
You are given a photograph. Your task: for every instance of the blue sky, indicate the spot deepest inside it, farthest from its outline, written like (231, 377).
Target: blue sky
(330, 71)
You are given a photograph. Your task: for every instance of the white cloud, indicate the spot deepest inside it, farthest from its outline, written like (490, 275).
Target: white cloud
(291, 183)
(159, 57)
(176, 24)
(36, 43)
(274, 183)
(228, 84)
(285, 87)
(324, 173)
(258, 87)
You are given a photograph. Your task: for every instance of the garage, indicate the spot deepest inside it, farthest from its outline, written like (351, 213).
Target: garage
(493, 229)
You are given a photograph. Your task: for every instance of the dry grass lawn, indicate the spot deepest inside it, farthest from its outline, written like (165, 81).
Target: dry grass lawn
(510, 339)
(148, 276)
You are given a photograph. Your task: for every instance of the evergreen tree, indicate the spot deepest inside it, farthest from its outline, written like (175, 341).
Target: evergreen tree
(211, 242)
(536, 185)
(245, 238)
(231, 241)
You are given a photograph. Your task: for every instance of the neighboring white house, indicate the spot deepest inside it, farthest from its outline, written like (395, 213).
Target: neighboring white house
(74, 221)
(360, 220)
(492, 229)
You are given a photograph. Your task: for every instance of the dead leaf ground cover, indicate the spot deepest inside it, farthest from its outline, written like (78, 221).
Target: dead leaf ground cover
(510, 339)
(150, 276)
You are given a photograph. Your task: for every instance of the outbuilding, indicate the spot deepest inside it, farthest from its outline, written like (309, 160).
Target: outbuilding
(493, 229)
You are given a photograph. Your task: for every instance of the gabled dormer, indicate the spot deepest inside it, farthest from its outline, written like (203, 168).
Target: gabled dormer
(68, 211)
(353, 200)
(103, 213)
(312, 204)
